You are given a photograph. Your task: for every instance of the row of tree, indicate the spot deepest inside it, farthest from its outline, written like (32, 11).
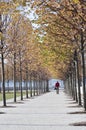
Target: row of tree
(63, 27)
(21, 58)
(56, 48)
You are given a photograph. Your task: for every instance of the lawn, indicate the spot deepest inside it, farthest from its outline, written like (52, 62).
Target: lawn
(10, 94)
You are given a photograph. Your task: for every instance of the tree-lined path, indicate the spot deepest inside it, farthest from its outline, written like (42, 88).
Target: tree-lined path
(46, 112)
(42, 40)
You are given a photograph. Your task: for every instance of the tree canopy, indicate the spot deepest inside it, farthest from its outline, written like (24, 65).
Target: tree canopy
(52, 43)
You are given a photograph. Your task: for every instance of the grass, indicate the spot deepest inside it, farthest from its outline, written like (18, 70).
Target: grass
(10, 95)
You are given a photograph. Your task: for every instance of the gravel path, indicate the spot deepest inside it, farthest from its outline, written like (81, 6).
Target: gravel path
(46, 112)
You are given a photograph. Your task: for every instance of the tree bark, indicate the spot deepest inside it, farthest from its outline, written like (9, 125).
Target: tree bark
(2, 65)
(26, 83)
(3, 78)
(14, 77)
(78, 78)
(20, 75)
(83, 69)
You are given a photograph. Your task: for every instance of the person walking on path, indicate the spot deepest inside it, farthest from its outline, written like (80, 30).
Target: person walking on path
(57, 85)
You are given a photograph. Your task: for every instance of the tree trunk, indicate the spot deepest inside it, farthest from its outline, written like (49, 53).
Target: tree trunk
(7, 79)
(47, 87)
(37, 87)
(75, 83)
(14, 77)
(2, 65)
(74, 90)
(26, 83)
(20, 75)
(83, 70)
(3, 79)
(78, 78)
(34, 86)
(30, 87)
